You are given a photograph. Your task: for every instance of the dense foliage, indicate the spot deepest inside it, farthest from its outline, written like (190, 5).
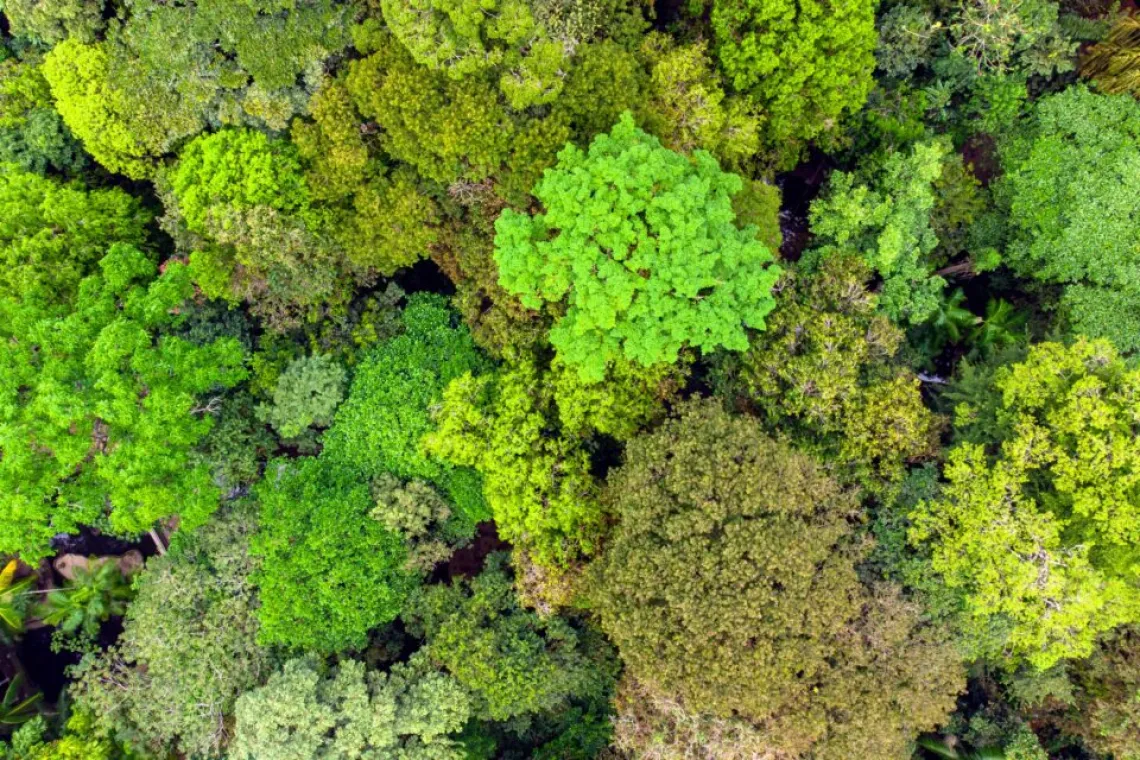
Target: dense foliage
(569, 380)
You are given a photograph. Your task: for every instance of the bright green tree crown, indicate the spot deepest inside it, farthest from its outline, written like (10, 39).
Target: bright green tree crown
(641, 244)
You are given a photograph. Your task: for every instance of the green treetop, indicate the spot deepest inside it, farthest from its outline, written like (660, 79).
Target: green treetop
(307, 713)
(641, 246)
(1071, 184)
(805, 63)
(826, 372)
(166, 71)
(53, 234)
(514, 661)
(188, 648)
(889, 222)
(329, 572)
(1038, 522)
(465, 37)
(377, 430)
(100, 411)
(730, 582)
(32, 134)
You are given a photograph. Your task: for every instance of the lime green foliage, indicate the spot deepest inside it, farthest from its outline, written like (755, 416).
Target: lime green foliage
(307, 394)
(1036, 526)
(641, 245)
(513, 661)
(53, 234)
(629, 398)
(304, 713)
(468, 37)
(378, 428)
(1106, 714)
(826, 372)
(263, 235)
(329, 574)
(687, 107)
(237, 169)
(446, 129)
(168, 70)
(78, 742)
(537, 482)
(97, 593)
(52, 21)
(32, 134)
(100, 411)
(105, 117)
(187, 651)
(805, 64)
(792, 625)
(889, 223)
(1072, 189)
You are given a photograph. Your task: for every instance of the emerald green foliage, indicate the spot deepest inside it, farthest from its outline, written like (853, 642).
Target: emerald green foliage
(640, 244)
(805, 64)
(97, 593)
(1070, 187)
(328, 573)
(307, 394)
(53, 234)
(512, 661)
(537, 481)
(187, 651)
(167, 71)
(237, 446)
(826, 372)
(793, 626)
(378, 428)
(889, 223)
(304, 713)
(32, 135)
(1035, 527)
(101, 411)
(396, 320)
